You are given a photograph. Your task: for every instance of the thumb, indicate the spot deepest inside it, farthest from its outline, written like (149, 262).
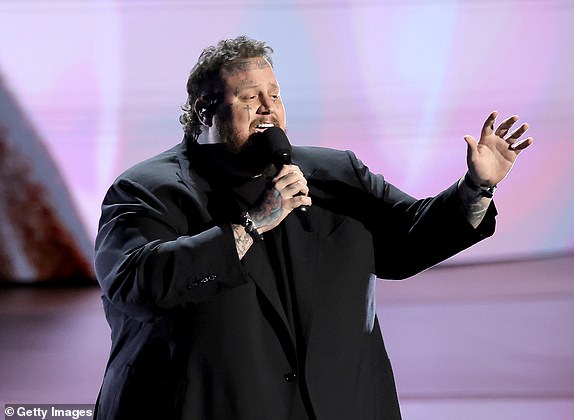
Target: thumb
(472, 144)
(470, 141)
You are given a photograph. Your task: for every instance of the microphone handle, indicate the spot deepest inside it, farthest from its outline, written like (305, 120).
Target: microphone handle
(284, 158)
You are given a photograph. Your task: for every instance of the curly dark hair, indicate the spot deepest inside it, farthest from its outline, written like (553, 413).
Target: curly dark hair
(207, 69)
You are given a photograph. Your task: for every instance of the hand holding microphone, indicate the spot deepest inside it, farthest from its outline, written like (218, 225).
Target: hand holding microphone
(280, 150)
(289, 186)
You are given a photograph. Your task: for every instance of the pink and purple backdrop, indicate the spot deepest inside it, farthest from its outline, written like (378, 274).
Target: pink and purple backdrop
(399, 83)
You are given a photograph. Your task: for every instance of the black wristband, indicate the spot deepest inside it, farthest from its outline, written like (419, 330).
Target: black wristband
(483, 190)
(247, 222)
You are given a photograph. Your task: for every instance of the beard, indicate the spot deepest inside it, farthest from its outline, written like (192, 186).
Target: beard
(245, 157)
(230, 138)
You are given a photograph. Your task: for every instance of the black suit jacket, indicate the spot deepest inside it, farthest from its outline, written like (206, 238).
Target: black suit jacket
(199, 334)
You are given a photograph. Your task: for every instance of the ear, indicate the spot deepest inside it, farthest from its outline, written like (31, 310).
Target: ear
(204, 110)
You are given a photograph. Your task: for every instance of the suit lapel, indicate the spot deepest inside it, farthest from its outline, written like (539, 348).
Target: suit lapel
(302, 249)
(303, 243)
(257, 264)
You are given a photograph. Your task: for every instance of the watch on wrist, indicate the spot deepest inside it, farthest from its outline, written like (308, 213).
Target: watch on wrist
(246, 221)
(483, 190)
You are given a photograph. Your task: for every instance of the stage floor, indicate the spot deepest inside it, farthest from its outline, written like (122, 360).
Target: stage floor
(54, 344)
(462, 347)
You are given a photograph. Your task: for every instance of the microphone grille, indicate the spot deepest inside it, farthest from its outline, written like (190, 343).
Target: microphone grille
(278, 142)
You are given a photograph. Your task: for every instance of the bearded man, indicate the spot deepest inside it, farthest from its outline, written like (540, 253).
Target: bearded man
(241, 286)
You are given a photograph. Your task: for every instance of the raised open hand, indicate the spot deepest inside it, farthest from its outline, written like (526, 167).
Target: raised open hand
(491, 158)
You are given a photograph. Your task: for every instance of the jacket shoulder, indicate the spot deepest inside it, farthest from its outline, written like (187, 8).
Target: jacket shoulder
(318, 158)
(331, 164)
(159, 166)
(315, 154)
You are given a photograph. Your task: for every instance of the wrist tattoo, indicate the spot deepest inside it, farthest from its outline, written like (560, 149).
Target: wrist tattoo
(270, 209)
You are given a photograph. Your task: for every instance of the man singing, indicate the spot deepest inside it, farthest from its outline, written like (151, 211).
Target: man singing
(238, 273)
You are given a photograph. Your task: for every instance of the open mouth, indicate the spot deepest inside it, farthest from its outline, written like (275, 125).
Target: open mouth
(263, 126)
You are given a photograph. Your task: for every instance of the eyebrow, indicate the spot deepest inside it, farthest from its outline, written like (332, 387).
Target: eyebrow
(249, 84)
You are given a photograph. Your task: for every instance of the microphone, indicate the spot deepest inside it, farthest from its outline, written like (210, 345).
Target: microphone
(280, 150)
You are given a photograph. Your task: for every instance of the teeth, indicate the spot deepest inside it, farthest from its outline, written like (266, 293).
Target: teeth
(265, 125)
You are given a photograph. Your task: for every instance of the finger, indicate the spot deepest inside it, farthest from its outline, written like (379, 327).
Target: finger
(299, 200)
(285, 177)
(287, 170)
(294, 188)
(488, 126)
(517, 133)
(521, 144)
(505, 125)
(290, 178)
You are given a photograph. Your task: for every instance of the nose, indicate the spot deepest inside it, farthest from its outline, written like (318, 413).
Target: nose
(266, 106)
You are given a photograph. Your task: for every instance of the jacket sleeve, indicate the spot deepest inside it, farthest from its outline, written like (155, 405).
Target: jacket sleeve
(411, 235)
(153, 254)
